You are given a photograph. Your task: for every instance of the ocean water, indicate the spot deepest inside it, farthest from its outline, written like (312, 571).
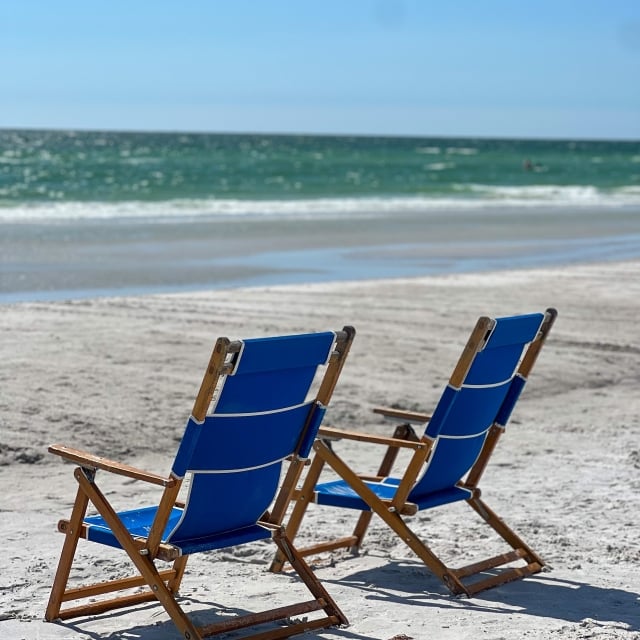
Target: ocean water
(91, 213)
(65, 174)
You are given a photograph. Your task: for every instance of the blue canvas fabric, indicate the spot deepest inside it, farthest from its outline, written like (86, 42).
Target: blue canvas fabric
(234, 457)
(235, 467)
(464, 416)
(273, 373)
(460, 421)
(138, 523)
(510, 400)
(226, 442)
(339, 494)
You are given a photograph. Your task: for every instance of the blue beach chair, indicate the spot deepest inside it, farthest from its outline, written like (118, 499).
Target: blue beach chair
(243, 449)
(448, 460)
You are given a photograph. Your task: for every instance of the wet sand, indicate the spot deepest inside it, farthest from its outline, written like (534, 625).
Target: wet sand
(71, 259)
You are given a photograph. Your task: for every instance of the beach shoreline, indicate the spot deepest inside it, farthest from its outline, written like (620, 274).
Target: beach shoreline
(117, 376)
(87, 258)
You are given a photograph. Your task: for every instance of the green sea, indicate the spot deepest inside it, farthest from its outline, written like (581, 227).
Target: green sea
(48, 174)
(145, 203)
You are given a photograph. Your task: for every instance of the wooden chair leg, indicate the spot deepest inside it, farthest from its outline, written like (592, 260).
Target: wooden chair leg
(393, 519)
(308, 577)
(66, 557)
(436, 566)
(503, 530)
(143, 563)
(401, 432)
(304, 498)
(364, 519)
(179, 567)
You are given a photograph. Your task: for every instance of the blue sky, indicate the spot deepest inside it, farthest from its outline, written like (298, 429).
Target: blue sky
(549, 68)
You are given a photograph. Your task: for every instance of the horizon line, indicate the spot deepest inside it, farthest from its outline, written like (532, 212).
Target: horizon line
(171, 131)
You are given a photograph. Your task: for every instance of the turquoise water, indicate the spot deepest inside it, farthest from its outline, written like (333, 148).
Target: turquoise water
(56, 174)
(96, 213)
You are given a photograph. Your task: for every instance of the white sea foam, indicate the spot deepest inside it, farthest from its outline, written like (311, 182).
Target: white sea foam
(571, 195)
(462, 151)
(439, 166)
(472, 197)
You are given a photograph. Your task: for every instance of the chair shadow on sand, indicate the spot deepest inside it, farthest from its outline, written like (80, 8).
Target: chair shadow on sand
(204, 611)
(408, 582)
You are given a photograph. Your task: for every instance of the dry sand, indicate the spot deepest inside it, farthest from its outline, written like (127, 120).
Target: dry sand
(117, 376)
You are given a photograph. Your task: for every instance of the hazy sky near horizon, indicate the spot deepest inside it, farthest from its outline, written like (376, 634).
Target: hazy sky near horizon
(503, 68)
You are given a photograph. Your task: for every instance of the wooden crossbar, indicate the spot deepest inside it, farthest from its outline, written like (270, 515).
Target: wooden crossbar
(490, 563)
(94, 608)
(253, 619)
(322, 547)
(402, 414)
(91, 461)
(330, 433)
(509, 575)
(292, 629)
(113, 585)
(166, 552)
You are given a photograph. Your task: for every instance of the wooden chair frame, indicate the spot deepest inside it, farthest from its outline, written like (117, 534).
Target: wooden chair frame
(163, 585)
(393, 512)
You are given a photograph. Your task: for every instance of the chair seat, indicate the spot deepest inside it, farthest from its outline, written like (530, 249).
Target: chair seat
(138, 523)
(339, 494)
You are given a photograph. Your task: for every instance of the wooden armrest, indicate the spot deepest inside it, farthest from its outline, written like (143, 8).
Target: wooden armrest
(330, 433)
(400, 414)
(91, 461)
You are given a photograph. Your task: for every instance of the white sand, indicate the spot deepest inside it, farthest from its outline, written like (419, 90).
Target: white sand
(118, 377)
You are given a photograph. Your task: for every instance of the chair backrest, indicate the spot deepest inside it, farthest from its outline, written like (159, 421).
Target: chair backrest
(260, 415)
(482, 392)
